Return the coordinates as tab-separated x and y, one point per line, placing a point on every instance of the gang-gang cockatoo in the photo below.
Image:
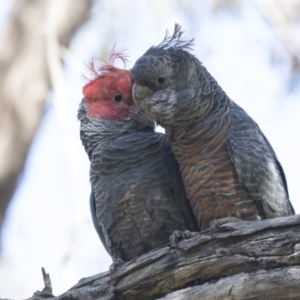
137	199
229	169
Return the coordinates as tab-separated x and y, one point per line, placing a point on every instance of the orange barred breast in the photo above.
209	176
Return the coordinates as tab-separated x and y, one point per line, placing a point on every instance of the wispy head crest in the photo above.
118	54
174	41
107	65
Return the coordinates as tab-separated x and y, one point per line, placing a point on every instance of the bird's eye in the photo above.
117	98
161	79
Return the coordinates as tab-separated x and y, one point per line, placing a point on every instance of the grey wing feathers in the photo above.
138	198
179	192
281	171
98	228
257	166
276	161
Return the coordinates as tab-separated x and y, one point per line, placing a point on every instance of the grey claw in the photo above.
178	236
115	265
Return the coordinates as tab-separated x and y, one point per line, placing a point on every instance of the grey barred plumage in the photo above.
228	167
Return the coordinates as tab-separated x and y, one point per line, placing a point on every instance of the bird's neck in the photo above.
213	99
133	149
215	111
94	131
208	128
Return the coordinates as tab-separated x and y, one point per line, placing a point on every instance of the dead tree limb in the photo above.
24	77
244	260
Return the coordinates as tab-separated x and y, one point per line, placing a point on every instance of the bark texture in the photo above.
244	260
33	32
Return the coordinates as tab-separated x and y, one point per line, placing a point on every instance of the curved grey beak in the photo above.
140	92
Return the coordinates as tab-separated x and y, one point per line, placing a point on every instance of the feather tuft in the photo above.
99	70
173	42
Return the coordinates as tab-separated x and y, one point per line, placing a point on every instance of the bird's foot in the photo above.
215	224
178	236
115	265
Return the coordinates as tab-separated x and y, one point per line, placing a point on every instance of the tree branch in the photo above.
244	260
24	77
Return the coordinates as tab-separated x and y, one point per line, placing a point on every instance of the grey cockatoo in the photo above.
229	169
137	199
